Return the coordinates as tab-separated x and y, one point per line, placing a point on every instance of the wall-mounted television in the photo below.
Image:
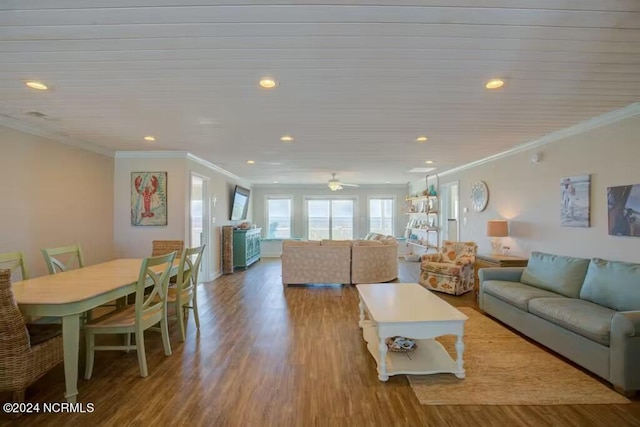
240	204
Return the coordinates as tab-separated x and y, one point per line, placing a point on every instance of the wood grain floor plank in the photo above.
273	356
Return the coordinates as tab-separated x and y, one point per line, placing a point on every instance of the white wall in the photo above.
135	241
299	192
53	195
528	194
221	186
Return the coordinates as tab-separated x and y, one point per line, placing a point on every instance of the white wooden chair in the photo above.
52	258
184	296
147	311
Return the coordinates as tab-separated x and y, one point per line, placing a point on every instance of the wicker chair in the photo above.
164	247
25	355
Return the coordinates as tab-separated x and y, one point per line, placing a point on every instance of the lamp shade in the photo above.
497	228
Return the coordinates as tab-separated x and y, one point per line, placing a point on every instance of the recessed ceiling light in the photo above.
388	182
36	85
429	162
149	138
494	84
275	182
421	139
286	138
267	83
250	162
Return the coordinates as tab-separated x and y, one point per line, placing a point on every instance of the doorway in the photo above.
199	224
450	223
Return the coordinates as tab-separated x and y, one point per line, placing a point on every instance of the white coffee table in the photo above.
409	310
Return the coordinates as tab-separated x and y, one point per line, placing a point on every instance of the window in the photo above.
381	218
279	217
330	219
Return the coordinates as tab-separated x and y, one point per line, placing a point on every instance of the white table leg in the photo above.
361	305
382	367
71	342
459	359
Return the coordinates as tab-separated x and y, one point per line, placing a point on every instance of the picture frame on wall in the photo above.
623	205
575	201
148	198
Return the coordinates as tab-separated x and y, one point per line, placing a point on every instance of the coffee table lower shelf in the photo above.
430	357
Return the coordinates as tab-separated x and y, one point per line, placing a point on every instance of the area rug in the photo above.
503	368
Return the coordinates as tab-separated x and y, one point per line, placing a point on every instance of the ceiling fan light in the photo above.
334	186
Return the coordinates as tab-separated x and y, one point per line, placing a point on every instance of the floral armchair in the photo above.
451	269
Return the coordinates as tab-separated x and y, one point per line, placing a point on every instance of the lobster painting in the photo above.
146	194
148	203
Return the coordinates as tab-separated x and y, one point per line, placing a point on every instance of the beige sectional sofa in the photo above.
371	260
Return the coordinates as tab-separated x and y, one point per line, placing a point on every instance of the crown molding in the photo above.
151	154
21	126
582	127
179	155
217	168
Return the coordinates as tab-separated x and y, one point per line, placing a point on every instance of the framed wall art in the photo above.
148	198
623	204
575	201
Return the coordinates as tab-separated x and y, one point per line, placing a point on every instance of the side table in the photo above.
495	261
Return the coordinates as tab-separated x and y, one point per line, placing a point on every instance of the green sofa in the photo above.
586	310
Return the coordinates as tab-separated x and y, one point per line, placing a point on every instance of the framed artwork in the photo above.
623	204
148	198
575	201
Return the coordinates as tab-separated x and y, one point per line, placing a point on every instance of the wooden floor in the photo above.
283	357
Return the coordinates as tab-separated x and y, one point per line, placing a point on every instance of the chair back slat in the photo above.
150	308
13	260
71	252
188	272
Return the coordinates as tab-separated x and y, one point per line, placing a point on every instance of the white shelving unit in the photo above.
423	225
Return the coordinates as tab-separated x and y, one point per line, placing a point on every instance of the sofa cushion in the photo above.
441	268
389	240
367	243
560	274
515	293
613	284
297	243
326	242
585	318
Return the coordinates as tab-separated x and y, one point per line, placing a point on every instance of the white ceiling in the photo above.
359	80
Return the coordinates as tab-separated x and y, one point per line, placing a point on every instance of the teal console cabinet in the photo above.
246	247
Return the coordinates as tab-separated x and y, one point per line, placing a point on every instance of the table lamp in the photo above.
497	228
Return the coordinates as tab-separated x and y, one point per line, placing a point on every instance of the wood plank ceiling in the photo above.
358	81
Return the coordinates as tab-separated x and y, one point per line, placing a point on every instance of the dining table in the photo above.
71	293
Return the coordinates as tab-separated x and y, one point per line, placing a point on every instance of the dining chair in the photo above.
184	296
52	258
27	352
147	311
163	247
72	255
13	261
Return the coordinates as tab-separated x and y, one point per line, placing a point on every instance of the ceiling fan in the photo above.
334	183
